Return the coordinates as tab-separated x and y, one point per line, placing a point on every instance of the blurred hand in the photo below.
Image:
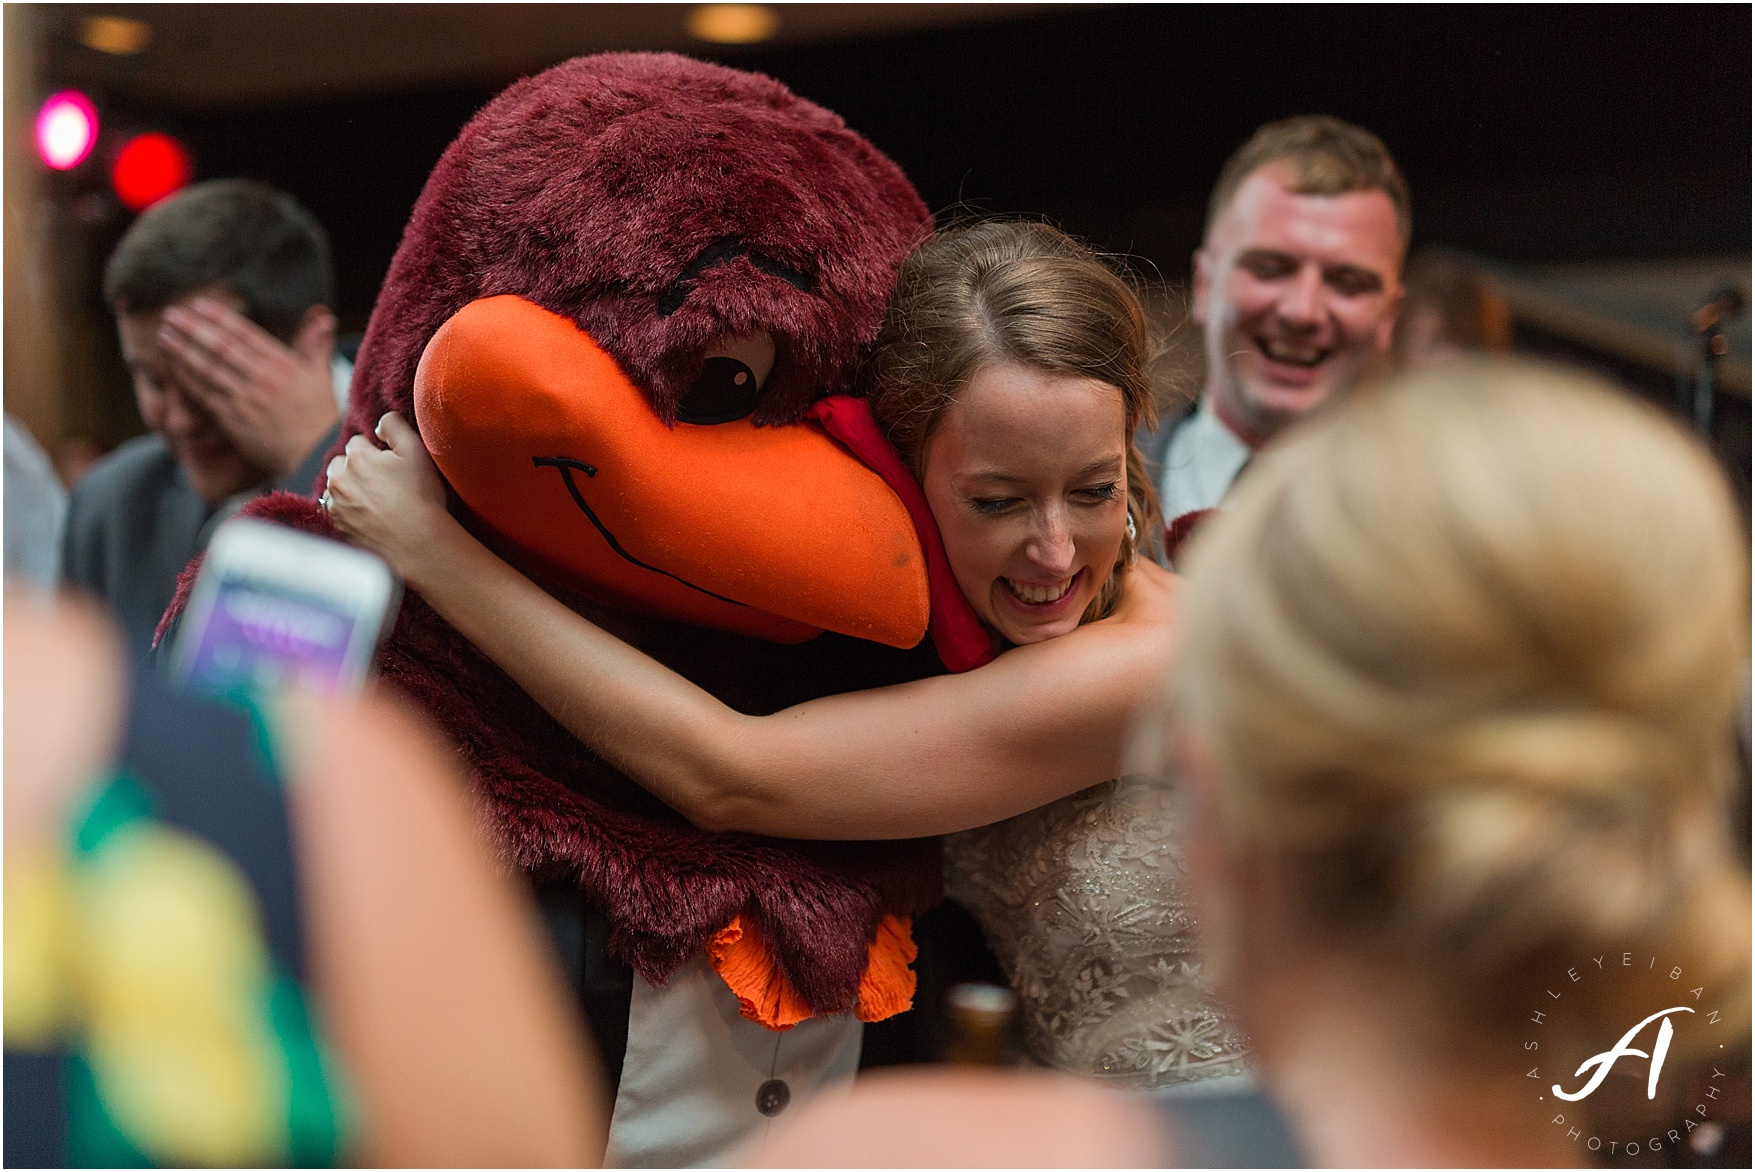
274	402
391	500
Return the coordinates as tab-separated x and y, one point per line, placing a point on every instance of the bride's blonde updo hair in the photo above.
1013	291
1468	654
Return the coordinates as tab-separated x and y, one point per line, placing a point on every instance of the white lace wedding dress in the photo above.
1082	901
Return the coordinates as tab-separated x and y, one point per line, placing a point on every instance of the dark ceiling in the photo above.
227	55
1529	133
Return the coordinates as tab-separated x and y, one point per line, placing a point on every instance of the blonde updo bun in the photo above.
1469	651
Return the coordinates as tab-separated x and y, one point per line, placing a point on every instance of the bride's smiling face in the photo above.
1026	474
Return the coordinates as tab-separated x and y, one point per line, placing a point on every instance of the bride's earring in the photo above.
1133	541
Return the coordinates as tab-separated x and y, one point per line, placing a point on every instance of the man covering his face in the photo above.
221	295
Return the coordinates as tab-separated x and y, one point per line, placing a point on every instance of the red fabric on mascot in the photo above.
587	235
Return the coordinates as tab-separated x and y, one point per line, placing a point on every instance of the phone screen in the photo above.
262	637
274	608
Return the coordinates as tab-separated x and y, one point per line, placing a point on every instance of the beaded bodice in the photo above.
1083	903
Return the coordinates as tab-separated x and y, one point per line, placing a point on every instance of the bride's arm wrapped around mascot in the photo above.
622	294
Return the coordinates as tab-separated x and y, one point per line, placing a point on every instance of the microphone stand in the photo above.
1709	326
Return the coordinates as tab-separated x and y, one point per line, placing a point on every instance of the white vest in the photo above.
700	1079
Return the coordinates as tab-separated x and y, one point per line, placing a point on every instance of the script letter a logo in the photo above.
1606	1060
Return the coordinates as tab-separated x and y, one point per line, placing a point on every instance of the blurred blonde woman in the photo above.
1454	721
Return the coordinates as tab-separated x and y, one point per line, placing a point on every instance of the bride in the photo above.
1010	374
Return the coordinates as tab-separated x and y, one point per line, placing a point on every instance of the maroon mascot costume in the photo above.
588	236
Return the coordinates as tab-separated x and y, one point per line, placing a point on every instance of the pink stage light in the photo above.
67	129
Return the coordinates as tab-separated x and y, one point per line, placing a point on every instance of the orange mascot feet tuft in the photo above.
743	962
887	986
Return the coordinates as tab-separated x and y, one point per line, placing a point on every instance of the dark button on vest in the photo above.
772	1097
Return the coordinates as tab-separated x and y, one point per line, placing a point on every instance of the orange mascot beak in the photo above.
775	532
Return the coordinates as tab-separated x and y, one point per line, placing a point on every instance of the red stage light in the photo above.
149	167
67	129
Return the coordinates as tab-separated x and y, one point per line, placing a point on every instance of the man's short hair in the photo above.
234	234
1326	157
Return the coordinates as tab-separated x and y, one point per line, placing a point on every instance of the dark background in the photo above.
1530	134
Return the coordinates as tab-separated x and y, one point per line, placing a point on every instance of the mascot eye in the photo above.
727	390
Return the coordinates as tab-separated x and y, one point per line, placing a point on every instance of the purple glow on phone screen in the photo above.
264	640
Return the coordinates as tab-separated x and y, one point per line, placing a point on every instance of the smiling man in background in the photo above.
221	295
1296	290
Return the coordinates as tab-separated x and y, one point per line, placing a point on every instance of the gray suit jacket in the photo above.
134	521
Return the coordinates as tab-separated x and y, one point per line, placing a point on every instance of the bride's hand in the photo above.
390	500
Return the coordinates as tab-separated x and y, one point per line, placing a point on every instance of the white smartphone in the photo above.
275	607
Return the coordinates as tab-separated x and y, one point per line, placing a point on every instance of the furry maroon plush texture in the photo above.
1179	530
591	189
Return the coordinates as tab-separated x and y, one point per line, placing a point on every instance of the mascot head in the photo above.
622	289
